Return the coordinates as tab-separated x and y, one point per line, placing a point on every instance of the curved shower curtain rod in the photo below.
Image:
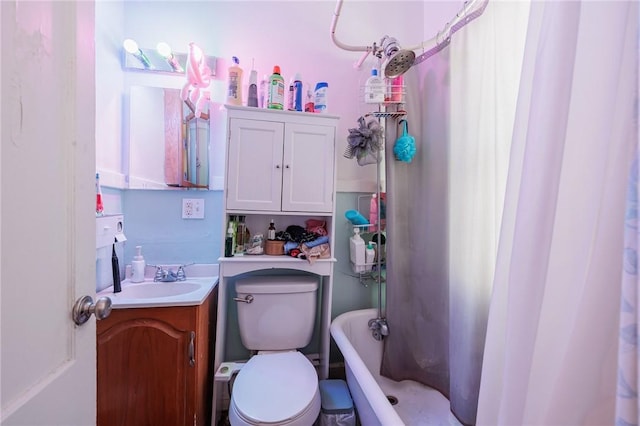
470	11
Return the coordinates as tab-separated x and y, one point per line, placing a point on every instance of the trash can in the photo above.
337	405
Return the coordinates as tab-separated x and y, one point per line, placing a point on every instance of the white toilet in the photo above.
278	386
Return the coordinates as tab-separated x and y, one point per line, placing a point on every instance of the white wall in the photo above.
292	34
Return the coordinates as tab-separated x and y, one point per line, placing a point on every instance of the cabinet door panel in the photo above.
254	169
307	182
136	386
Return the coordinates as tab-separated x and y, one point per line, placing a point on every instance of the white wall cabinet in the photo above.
279	165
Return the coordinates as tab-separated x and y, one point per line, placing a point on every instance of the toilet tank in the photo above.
281	314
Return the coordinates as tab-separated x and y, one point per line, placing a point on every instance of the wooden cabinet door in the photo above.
144	371
254	165
308	173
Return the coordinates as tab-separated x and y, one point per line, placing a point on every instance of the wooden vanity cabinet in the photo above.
155	365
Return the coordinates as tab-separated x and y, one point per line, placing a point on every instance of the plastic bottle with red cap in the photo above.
276	90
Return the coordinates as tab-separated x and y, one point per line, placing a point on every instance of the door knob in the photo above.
84	307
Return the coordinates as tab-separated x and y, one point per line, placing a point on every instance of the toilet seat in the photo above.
276	389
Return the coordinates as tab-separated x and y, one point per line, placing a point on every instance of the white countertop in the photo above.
201	280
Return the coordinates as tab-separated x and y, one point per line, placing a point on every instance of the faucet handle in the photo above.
180	274
160	273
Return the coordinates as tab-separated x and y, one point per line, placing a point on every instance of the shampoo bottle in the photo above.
276	90
320	103
137	266
357	251
374	88
234	87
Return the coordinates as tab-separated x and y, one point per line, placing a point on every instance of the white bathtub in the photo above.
417	404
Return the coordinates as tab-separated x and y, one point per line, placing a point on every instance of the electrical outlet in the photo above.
193	208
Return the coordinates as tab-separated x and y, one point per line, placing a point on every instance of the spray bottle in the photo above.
297	92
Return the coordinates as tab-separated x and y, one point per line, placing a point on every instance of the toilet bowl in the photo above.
279	385
275	388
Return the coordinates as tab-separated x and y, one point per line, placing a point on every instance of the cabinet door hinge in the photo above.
192	348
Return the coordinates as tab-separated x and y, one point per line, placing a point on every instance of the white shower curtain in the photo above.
551	344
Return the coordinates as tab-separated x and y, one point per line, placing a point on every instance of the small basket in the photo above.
274	248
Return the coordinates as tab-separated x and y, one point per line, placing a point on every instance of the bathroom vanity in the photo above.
155	362
280	166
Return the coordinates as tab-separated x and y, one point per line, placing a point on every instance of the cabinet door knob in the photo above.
277	166
287	166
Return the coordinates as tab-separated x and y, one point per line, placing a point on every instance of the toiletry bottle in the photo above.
374	88
241	235
357	251
369	256
99	205
276	90
297	92
137	266
264	91
228	242
397	89
234	87
271	232
320	103
290	96
252	98
233	224
373	213
308	105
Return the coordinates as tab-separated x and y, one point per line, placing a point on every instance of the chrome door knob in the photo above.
84	307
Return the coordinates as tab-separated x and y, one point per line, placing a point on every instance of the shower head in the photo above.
398	60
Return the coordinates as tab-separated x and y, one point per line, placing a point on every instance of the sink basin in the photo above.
151	290
150	294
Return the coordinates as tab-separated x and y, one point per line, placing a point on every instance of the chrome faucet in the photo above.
166	275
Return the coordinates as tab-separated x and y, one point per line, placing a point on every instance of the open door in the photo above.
47	222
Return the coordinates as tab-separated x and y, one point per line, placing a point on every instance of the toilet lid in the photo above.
275	387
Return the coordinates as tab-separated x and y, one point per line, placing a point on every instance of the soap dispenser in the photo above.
138	266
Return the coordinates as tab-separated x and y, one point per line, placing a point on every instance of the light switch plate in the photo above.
193	208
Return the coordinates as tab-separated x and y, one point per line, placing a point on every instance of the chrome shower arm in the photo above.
471	10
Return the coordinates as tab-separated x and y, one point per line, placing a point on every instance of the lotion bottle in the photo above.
234	88
138	265
370	256
357	251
